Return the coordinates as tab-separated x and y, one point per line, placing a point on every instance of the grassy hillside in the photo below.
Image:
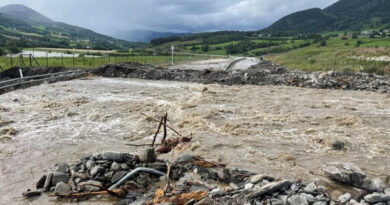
343	15
22	27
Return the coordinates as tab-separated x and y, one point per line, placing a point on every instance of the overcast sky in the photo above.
109	16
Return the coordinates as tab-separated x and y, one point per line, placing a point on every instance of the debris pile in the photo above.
190	179
264	73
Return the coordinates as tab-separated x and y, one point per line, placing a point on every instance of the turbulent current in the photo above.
275	130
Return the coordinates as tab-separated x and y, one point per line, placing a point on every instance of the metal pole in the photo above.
21	73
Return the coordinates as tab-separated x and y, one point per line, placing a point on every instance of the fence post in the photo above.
29	57
47	60
62	60
73	59
12	63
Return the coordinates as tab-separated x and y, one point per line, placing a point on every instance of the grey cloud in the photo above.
108	16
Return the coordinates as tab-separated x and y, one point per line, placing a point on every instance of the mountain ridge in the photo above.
21	26
342	15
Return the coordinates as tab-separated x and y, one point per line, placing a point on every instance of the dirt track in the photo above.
281	131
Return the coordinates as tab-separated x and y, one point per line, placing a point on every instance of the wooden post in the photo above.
73	59
29	57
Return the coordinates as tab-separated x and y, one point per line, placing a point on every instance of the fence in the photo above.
93	61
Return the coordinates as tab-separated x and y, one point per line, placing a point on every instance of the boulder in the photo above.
297	200
62	189
59	177
344	199
376	198
115	166
347	173
63	168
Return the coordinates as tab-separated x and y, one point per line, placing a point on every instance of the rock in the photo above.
125	167
41	182
29	194
269	188
311	187
297	200
63	168
224	175
249	186
131	197
96	170
205	201
62	189
90	164
338	145
377	197
118	175
373	185
344	199
347	173
321	203
115	167
275	201
59	177
88	187
309	198
149	155
260	177
115	156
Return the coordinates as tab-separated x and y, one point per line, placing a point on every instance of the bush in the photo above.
323	43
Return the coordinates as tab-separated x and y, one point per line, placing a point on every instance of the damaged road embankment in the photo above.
264	73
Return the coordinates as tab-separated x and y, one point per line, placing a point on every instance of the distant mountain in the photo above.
25	14
21	26
342	15
144	35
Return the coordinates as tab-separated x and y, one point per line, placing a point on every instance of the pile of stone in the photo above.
192	180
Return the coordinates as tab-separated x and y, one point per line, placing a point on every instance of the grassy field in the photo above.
338	55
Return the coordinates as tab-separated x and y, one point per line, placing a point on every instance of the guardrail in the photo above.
12	84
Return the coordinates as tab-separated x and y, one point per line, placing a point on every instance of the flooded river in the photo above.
281	131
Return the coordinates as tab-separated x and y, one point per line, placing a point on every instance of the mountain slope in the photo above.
304	21
342	15
144	35
25	14
21	26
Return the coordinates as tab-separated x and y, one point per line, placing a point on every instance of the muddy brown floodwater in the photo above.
281	131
